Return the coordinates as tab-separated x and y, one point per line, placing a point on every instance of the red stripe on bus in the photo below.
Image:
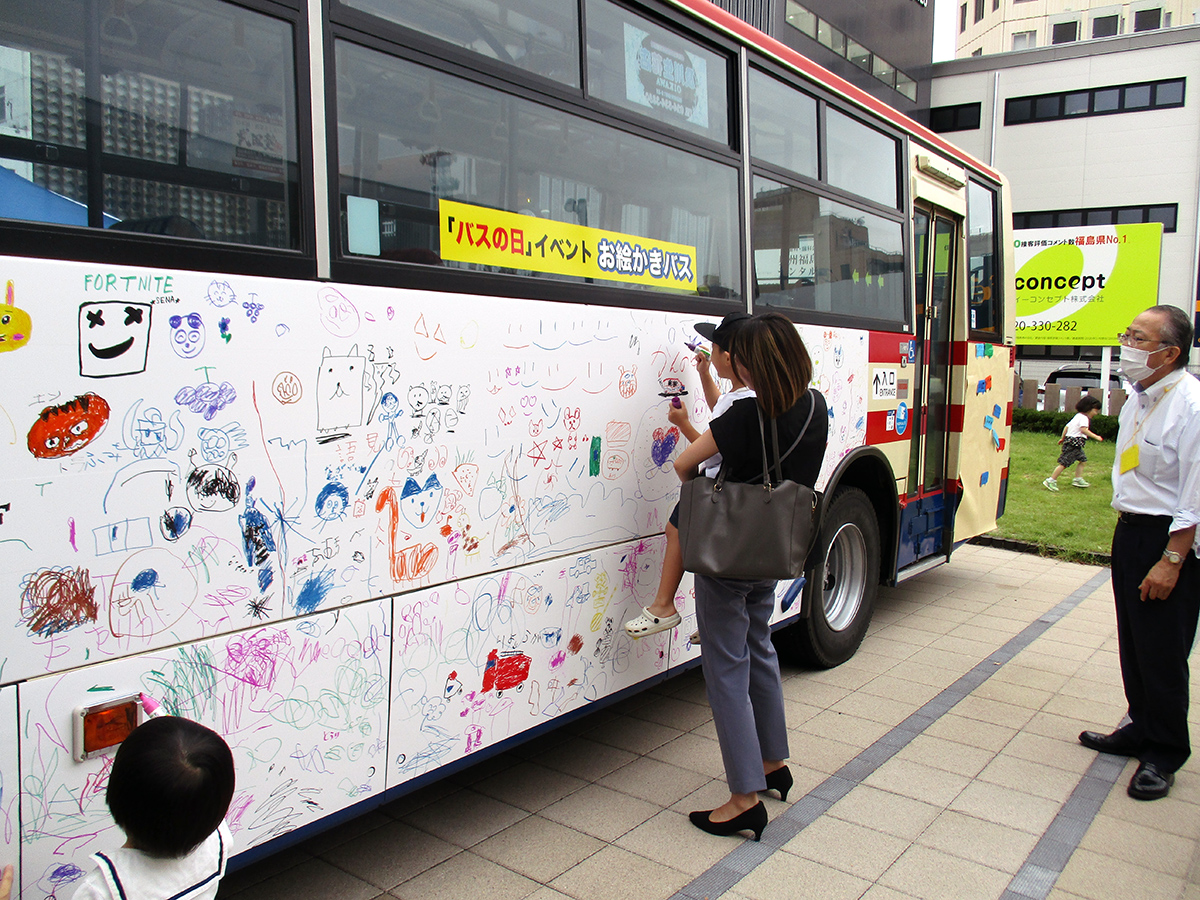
785	54
887	347
877	430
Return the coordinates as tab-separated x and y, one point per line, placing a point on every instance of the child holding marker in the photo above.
169	789
661	614
1074	436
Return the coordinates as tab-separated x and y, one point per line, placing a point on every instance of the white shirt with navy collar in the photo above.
1164	421
127	874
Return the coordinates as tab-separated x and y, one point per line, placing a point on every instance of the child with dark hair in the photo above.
661	614
169	789
1074	435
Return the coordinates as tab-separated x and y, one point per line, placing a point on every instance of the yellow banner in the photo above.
492	237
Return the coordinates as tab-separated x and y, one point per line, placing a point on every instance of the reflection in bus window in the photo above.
198	130
438	137
539	36
783	125
860	159
816	254
981	258
654	72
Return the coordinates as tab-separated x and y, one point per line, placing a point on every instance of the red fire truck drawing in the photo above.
505	671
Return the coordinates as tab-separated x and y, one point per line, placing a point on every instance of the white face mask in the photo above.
1135	363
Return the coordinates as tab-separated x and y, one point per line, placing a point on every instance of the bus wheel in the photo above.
841	587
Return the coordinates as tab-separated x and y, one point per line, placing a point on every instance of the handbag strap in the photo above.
778	467
775	445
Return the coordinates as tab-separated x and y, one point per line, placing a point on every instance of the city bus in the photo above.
336	347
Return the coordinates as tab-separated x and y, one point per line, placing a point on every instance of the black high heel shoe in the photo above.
780	780
754	819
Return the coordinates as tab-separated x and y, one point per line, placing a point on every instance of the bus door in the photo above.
925	523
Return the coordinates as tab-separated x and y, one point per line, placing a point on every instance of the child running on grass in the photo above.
661	614
1074	436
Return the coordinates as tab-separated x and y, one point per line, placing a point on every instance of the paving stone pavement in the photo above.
941	761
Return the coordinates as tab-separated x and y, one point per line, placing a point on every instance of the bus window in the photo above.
814	253
442	138
783	125
982	259
539	36
197	133
651	71
860	159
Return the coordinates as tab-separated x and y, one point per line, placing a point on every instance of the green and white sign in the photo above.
1083	286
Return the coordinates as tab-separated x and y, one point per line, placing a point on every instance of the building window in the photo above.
962	18
963	117
859	55
3	106
995	5
1167	214
1105	26
1107	100
802	19
1024	40
979	5
1064	33
809	23
1147	20
831	37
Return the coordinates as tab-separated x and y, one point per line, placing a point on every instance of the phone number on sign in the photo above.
1064	325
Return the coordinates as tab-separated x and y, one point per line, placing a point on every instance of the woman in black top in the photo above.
741	671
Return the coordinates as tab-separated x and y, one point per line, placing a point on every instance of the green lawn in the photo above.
1074	523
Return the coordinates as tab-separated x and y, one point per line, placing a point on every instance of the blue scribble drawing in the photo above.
332	501
314	591
206	399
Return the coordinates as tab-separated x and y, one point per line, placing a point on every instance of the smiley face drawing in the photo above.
114	337
15	324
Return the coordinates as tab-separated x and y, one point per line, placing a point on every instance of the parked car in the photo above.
1080	375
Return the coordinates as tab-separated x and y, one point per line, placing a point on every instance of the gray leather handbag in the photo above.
751	532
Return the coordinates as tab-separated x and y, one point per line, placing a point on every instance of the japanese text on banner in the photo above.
492	237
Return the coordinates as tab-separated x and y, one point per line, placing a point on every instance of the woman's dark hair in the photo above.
170	785
774	361
1087	402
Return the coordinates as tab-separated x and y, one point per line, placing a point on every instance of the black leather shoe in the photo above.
780	780
1150	782
754	819
1115	743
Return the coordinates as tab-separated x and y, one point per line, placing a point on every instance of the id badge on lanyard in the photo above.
1129	458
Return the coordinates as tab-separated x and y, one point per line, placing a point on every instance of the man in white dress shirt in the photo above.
1155	572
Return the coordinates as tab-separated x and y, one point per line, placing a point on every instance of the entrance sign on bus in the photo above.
1081	286
493	237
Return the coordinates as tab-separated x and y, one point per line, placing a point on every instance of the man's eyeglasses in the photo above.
1132	340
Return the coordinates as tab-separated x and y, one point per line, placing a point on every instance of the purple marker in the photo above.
677	403
695	345
151	706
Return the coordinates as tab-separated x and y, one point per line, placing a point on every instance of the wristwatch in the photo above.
1172	557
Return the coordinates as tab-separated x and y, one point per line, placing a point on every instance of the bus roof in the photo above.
748	34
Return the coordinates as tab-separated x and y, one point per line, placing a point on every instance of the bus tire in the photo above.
841	588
